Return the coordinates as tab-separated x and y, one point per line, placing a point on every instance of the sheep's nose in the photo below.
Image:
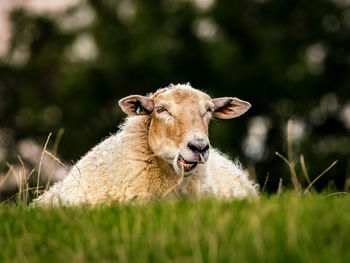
199	147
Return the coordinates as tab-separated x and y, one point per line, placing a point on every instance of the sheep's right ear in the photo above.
137	105
228	108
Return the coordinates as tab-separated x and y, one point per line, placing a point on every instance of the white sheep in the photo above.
162	149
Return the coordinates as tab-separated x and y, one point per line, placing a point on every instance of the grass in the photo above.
289	228
296	225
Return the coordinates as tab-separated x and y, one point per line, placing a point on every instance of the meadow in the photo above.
296	224
285	228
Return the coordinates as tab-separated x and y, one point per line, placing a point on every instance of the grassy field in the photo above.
288	228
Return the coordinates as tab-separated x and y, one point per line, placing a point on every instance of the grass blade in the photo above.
318	177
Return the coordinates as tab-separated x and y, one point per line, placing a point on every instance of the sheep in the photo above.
162	149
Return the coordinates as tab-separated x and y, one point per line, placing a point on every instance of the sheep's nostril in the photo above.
199	147
206	148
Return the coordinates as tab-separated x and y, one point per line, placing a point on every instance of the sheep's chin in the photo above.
179	170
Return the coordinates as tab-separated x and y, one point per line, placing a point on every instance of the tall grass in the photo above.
30	183
290	161
294	225
285	229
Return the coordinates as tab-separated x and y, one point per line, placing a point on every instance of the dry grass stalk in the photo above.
175	185
57	160
282	157
27	188
290	140
202	159
78	180
336	193
252	171
22	178
57	141
19	193
4	178
49	181
303	167
291	165
22	164
53	156
305	173
22	181
294	177
296	185
279	190
41	162
318	177
265	183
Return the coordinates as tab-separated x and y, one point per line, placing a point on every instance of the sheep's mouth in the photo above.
186	165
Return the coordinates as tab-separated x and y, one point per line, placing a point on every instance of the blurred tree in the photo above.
290	59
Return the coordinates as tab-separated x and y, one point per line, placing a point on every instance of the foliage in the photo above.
290	59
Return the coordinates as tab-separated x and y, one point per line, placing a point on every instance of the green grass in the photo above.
286	229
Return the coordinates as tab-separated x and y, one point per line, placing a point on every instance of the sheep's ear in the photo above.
227	108
136	105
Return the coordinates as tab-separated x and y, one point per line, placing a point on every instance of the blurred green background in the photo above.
66	67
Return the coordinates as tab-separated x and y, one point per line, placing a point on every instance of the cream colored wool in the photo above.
225	178
123	168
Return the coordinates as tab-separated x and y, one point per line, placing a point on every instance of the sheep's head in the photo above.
180	116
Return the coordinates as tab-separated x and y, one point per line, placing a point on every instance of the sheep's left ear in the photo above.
227	108
137	105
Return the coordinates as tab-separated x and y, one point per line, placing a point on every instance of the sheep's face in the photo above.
180	116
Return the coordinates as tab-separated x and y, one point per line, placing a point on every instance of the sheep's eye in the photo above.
160	110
